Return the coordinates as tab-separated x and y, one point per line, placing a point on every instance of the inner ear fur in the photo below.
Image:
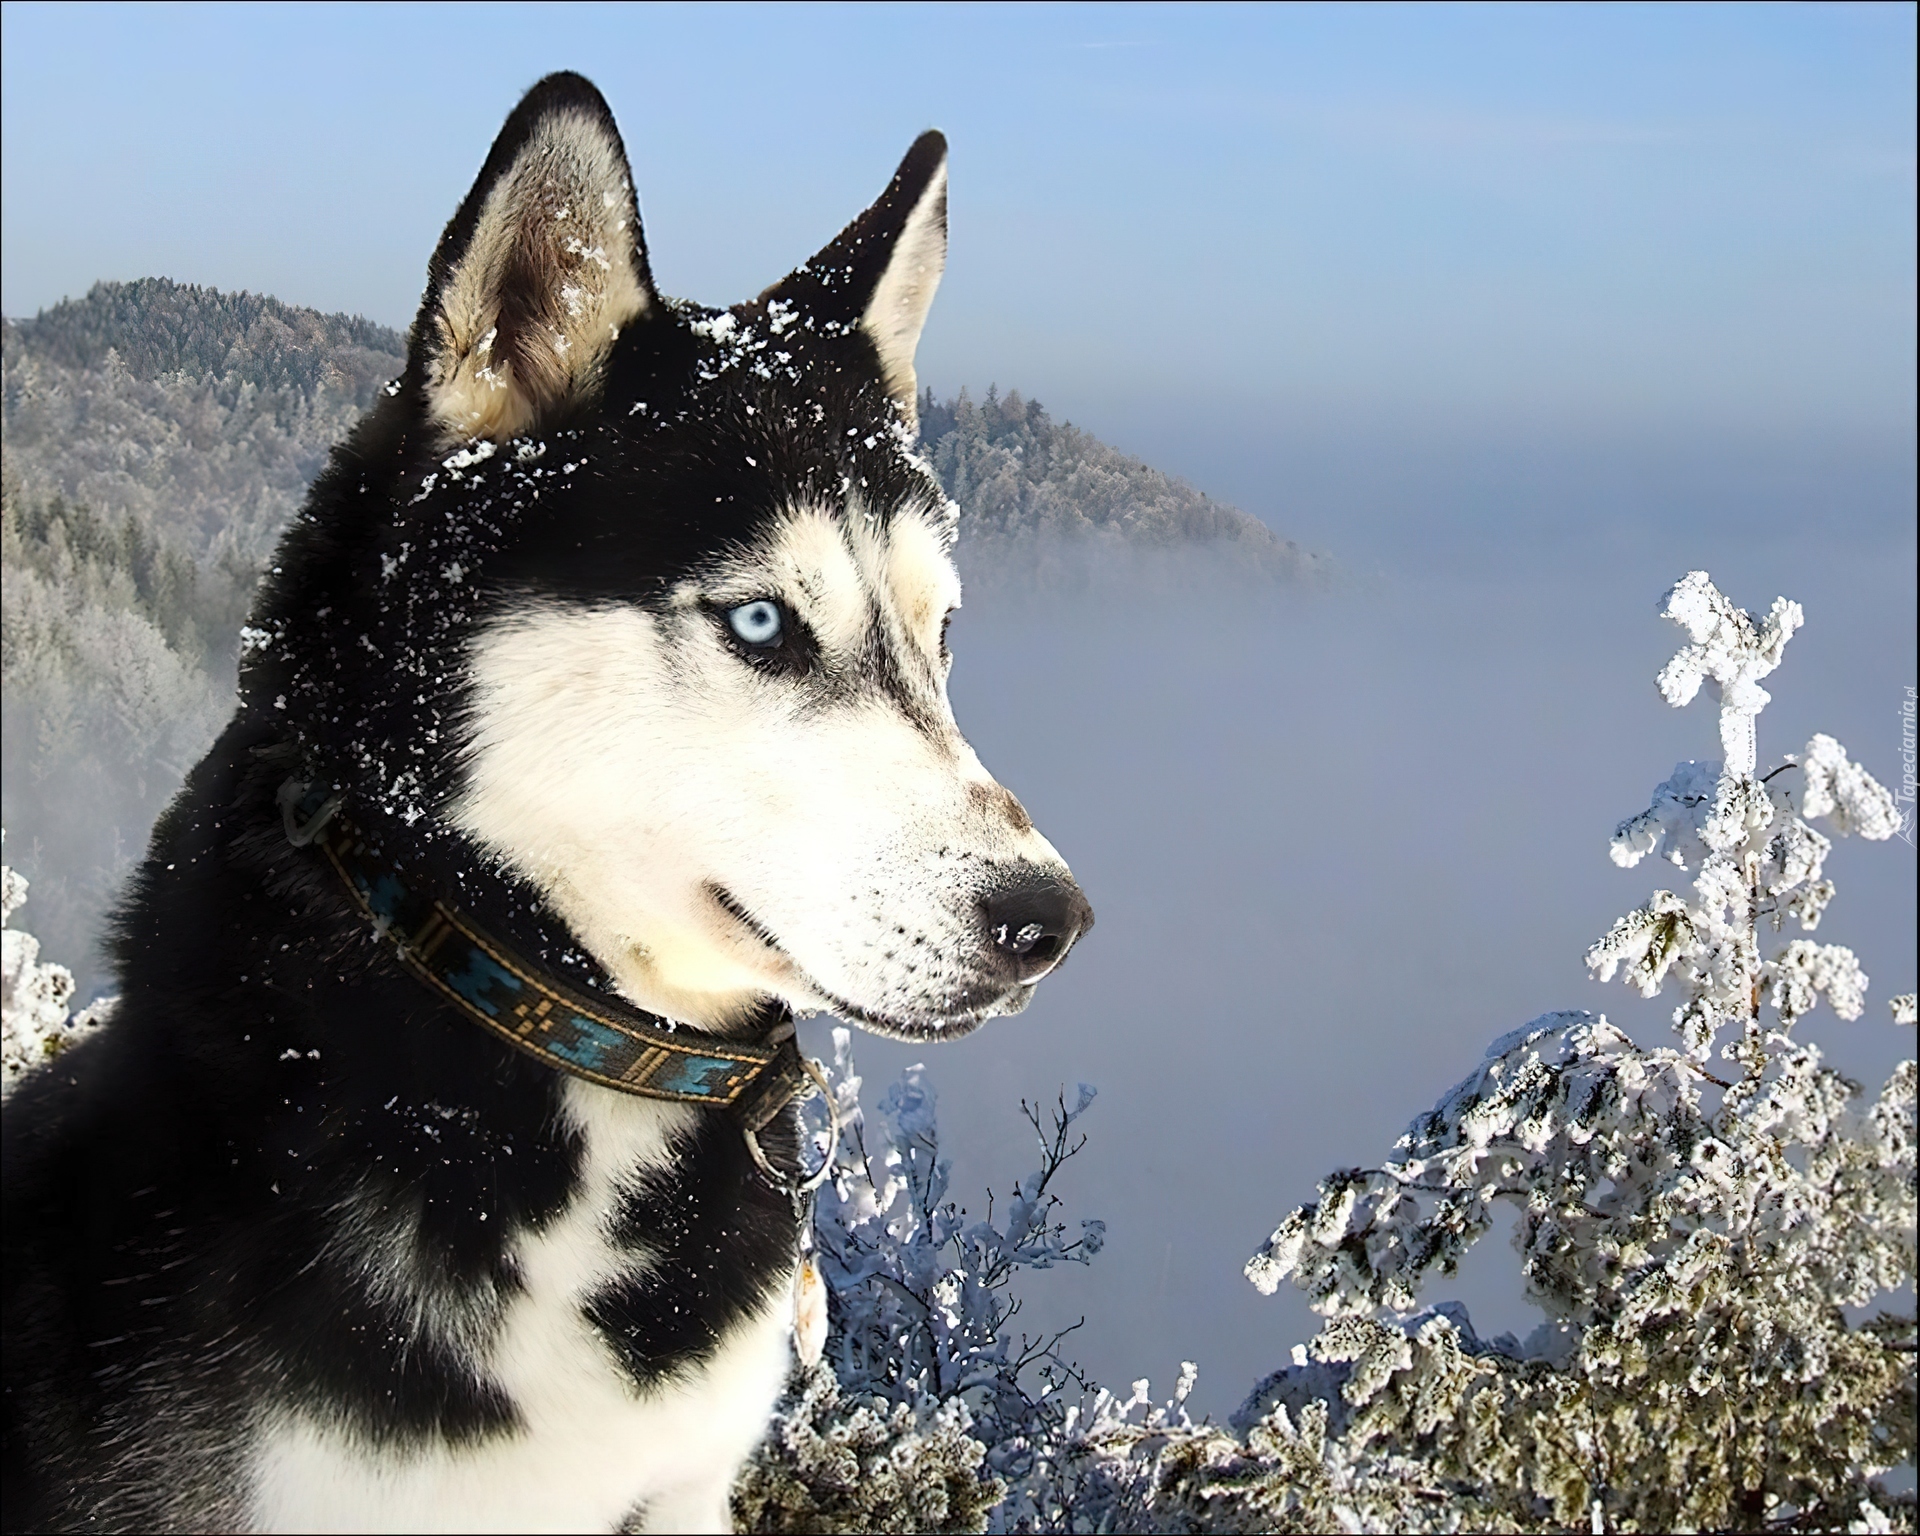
538	271
880	272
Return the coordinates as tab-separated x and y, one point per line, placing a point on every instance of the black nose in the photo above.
1032	923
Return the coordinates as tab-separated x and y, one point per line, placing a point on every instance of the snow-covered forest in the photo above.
1041	502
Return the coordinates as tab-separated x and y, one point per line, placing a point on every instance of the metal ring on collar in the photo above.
818	1073
291	794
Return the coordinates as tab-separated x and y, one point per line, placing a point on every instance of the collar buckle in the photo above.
783	1089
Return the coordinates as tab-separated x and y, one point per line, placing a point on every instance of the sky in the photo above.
1582	221
1519	312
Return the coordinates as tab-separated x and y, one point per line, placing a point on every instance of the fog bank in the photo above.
1338	842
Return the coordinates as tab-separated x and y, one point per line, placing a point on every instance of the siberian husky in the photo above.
437	1172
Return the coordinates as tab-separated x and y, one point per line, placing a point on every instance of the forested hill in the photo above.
203	414
161	327
206	414
1030	488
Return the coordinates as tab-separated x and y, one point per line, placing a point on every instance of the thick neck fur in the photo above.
446	863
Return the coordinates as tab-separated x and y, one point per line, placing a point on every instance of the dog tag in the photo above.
809	1313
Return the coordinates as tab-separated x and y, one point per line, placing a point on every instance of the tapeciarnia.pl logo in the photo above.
1905	794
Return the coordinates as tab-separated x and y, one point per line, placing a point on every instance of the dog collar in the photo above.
601	1040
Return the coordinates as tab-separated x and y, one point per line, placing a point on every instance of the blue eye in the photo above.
757	623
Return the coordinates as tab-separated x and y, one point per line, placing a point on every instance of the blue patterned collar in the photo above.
602	1039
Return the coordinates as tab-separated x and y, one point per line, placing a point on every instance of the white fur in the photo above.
594	1447
897	312
627	762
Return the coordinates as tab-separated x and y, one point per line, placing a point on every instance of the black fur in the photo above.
175	1246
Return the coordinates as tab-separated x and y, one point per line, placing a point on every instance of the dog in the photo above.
440	1170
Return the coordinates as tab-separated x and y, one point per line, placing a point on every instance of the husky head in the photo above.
643	606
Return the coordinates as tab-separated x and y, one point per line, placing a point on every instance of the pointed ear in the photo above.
881	271
537	273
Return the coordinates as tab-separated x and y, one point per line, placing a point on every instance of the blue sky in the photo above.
1556	220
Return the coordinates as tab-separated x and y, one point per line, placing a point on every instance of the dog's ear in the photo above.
537	273
881	271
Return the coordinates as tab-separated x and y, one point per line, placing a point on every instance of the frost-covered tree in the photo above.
116	648
920	1294
919	1342
1704	1224
1698	1234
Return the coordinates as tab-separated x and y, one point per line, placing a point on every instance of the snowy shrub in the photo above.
34	994
919	1307
833	1464
919	1295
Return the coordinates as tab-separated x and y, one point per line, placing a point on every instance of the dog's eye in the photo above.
757	623
767	635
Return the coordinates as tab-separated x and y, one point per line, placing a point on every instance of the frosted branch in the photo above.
1730	651
1845	793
